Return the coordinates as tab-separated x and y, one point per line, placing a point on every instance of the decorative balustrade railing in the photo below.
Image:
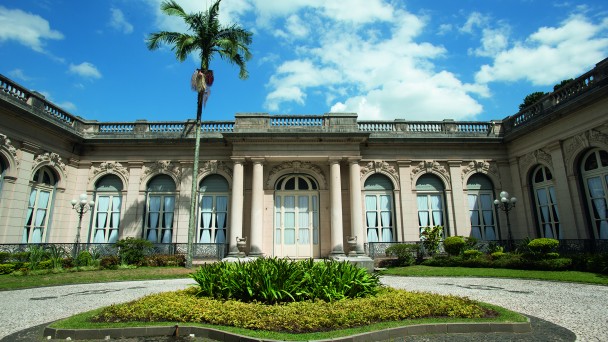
167	127
566	93
217	126
451	127
14	90
117	128
296	121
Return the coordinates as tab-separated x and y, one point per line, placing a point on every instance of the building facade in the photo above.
302	186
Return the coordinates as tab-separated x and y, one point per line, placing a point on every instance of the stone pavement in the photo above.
579	308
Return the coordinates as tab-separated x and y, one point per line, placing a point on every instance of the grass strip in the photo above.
564	276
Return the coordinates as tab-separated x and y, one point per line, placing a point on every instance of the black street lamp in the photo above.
505	204
81	206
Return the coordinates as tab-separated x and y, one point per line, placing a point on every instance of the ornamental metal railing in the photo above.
210	251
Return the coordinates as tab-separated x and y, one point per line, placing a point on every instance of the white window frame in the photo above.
213	229
35	208
478	208
547	214
163	233
599	224
380	228
110	233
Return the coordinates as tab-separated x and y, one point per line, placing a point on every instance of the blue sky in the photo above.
383	59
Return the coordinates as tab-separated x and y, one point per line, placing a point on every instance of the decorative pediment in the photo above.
5	142
379	166
109	167
535	157
430	166
480	166
295	167
161	166
49	158
213	166
597	138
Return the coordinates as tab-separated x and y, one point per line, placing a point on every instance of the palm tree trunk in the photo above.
193	192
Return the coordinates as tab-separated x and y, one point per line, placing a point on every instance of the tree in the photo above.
531	99
209	38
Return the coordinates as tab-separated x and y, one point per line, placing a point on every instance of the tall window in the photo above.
430	198
213	210
106	219
39	204
160	207
480	194
2	170
595	178
546	203
379	217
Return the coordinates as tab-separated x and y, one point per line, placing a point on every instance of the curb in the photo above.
220	335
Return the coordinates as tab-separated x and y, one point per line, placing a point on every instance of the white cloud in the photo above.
85	69
550	54
384	75
19	74
118	21
28	29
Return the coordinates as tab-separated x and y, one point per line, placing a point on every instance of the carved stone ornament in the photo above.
296	166
161	166
111	167
213	166
379	166
428	166
479	166
597	138
6	143
49	158
536	157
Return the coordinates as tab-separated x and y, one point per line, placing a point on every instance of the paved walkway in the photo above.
582	309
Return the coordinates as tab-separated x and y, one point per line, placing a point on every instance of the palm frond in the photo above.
171	7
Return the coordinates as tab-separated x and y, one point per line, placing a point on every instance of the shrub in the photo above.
273	280
497	255
494	247
7	268
21	256
431	237
559	264
454	245
131	251
162	260
84	258
471	253
56	255
543	246
442	261
597	263
471	242
45	265
406	253
67	262
4	257
298	317
109	262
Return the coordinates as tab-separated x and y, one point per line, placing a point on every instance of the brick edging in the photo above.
220	335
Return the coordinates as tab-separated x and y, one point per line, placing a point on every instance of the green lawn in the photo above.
12	282
428	271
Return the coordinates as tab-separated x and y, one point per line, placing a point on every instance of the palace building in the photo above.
305	186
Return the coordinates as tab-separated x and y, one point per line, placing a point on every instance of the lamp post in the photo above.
81	206
506	204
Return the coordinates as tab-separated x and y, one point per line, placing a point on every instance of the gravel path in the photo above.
580	308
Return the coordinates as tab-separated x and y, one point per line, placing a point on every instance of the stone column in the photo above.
257	208
335	195
236	207
356	211
460	225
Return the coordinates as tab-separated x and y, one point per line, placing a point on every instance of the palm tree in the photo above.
209	38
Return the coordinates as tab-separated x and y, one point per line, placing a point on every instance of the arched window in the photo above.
480	194
2	171
594	170
379	215
546	203
430	198
160	207
106	222
213	210
39	204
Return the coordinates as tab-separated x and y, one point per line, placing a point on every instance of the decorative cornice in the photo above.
213	166
109	167
379	166
430	166
296	166
480	166
161	166
49	158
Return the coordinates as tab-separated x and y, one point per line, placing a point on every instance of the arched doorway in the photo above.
296	218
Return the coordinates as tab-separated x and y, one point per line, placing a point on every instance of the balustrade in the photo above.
167	127
296	121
